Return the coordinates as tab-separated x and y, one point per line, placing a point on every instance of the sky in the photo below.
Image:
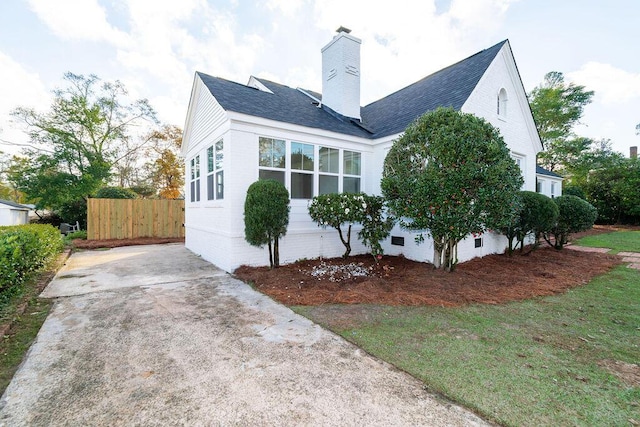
154	47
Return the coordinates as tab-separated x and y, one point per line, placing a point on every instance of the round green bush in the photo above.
575	215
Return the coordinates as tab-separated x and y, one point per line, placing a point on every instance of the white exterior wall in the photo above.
12	216
546	187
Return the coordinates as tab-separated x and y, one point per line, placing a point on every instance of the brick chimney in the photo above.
633	152
341	74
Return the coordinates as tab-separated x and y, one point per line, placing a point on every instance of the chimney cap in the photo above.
343	30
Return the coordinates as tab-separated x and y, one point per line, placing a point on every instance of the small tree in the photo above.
450	175
575	215
336	211
266	216
537	214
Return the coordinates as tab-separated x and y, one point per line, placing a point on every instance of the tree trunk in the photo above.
438	246
276	252
270	255
346	243
450	255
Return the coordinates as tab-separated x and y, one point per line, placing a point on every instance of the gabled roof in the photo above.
543	171
14	204
449	87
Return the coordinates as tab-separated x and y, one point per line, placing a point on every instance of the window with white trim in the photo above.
553	189
195	179
329	168
502	103
302	170
215	174
351	171
272	159
540	186
308	170
520	161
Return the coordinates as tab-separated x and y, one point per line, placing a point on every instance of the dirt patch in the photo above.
492	279
115	243
628	373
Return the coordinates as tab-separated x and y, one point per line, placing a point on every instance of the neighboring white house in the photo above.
12	213
236	134
548	183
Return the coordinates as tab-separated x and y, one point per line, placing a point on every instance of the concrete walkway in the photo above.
153	335
633	258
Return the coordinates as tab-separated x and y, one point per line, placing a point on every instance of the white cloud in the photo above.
611	84
77	20
19	88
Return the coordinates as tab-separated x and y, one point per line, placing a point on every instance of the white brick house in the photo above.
236	134
548	183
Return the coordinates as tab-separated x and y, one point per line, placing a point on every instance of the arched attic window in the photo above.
502	103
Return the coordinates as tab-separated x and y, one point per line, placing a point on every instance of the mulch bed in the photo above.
114	243
492	279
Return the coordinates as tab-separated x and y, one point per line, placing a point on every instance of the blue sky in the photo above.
155	46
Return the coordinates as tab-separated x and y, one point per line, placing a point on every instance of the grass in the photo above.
620	241
24	329
23	326
537	362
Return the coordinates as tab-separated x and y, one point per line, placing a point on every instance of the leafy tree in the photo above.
615	191
557	107
338	210
450	175
115	193
89	128
166	166
266	216
574	215
537	215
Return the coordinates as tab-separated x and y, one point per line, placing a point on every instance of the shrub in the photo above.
337	210
266	216
537	214
115	193
574	190
24	250
574	215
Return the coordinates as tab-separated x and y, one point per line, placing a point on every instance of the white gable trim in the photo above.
257	84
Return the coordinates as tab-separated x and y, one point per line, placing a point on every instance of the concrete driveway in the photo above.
153	335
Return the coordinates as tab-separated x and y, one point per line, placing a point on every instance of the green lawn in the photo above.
620	241
537	362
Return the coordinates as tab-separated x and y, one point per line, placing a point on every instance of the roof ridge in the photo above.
439	71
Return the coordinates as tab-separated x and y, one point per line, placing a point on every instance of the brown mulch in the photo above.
493	279
114	243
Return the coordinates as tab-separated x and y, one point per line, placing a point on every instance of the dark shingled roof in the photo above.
449	87
543	171
14	204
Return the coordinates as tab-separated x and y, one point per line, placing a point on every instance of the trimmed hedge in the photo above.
24	250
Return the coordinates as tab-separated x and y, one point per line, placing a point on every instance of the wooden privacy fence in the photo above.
132	218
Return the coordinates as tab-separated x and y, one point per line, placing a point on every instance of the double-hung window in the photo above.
272	159
329	167
215	174
302	168
351	172
308	170
195	179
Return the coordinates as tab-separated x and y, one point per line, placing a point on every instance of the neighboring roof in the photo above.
14	204
543	171
449	87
